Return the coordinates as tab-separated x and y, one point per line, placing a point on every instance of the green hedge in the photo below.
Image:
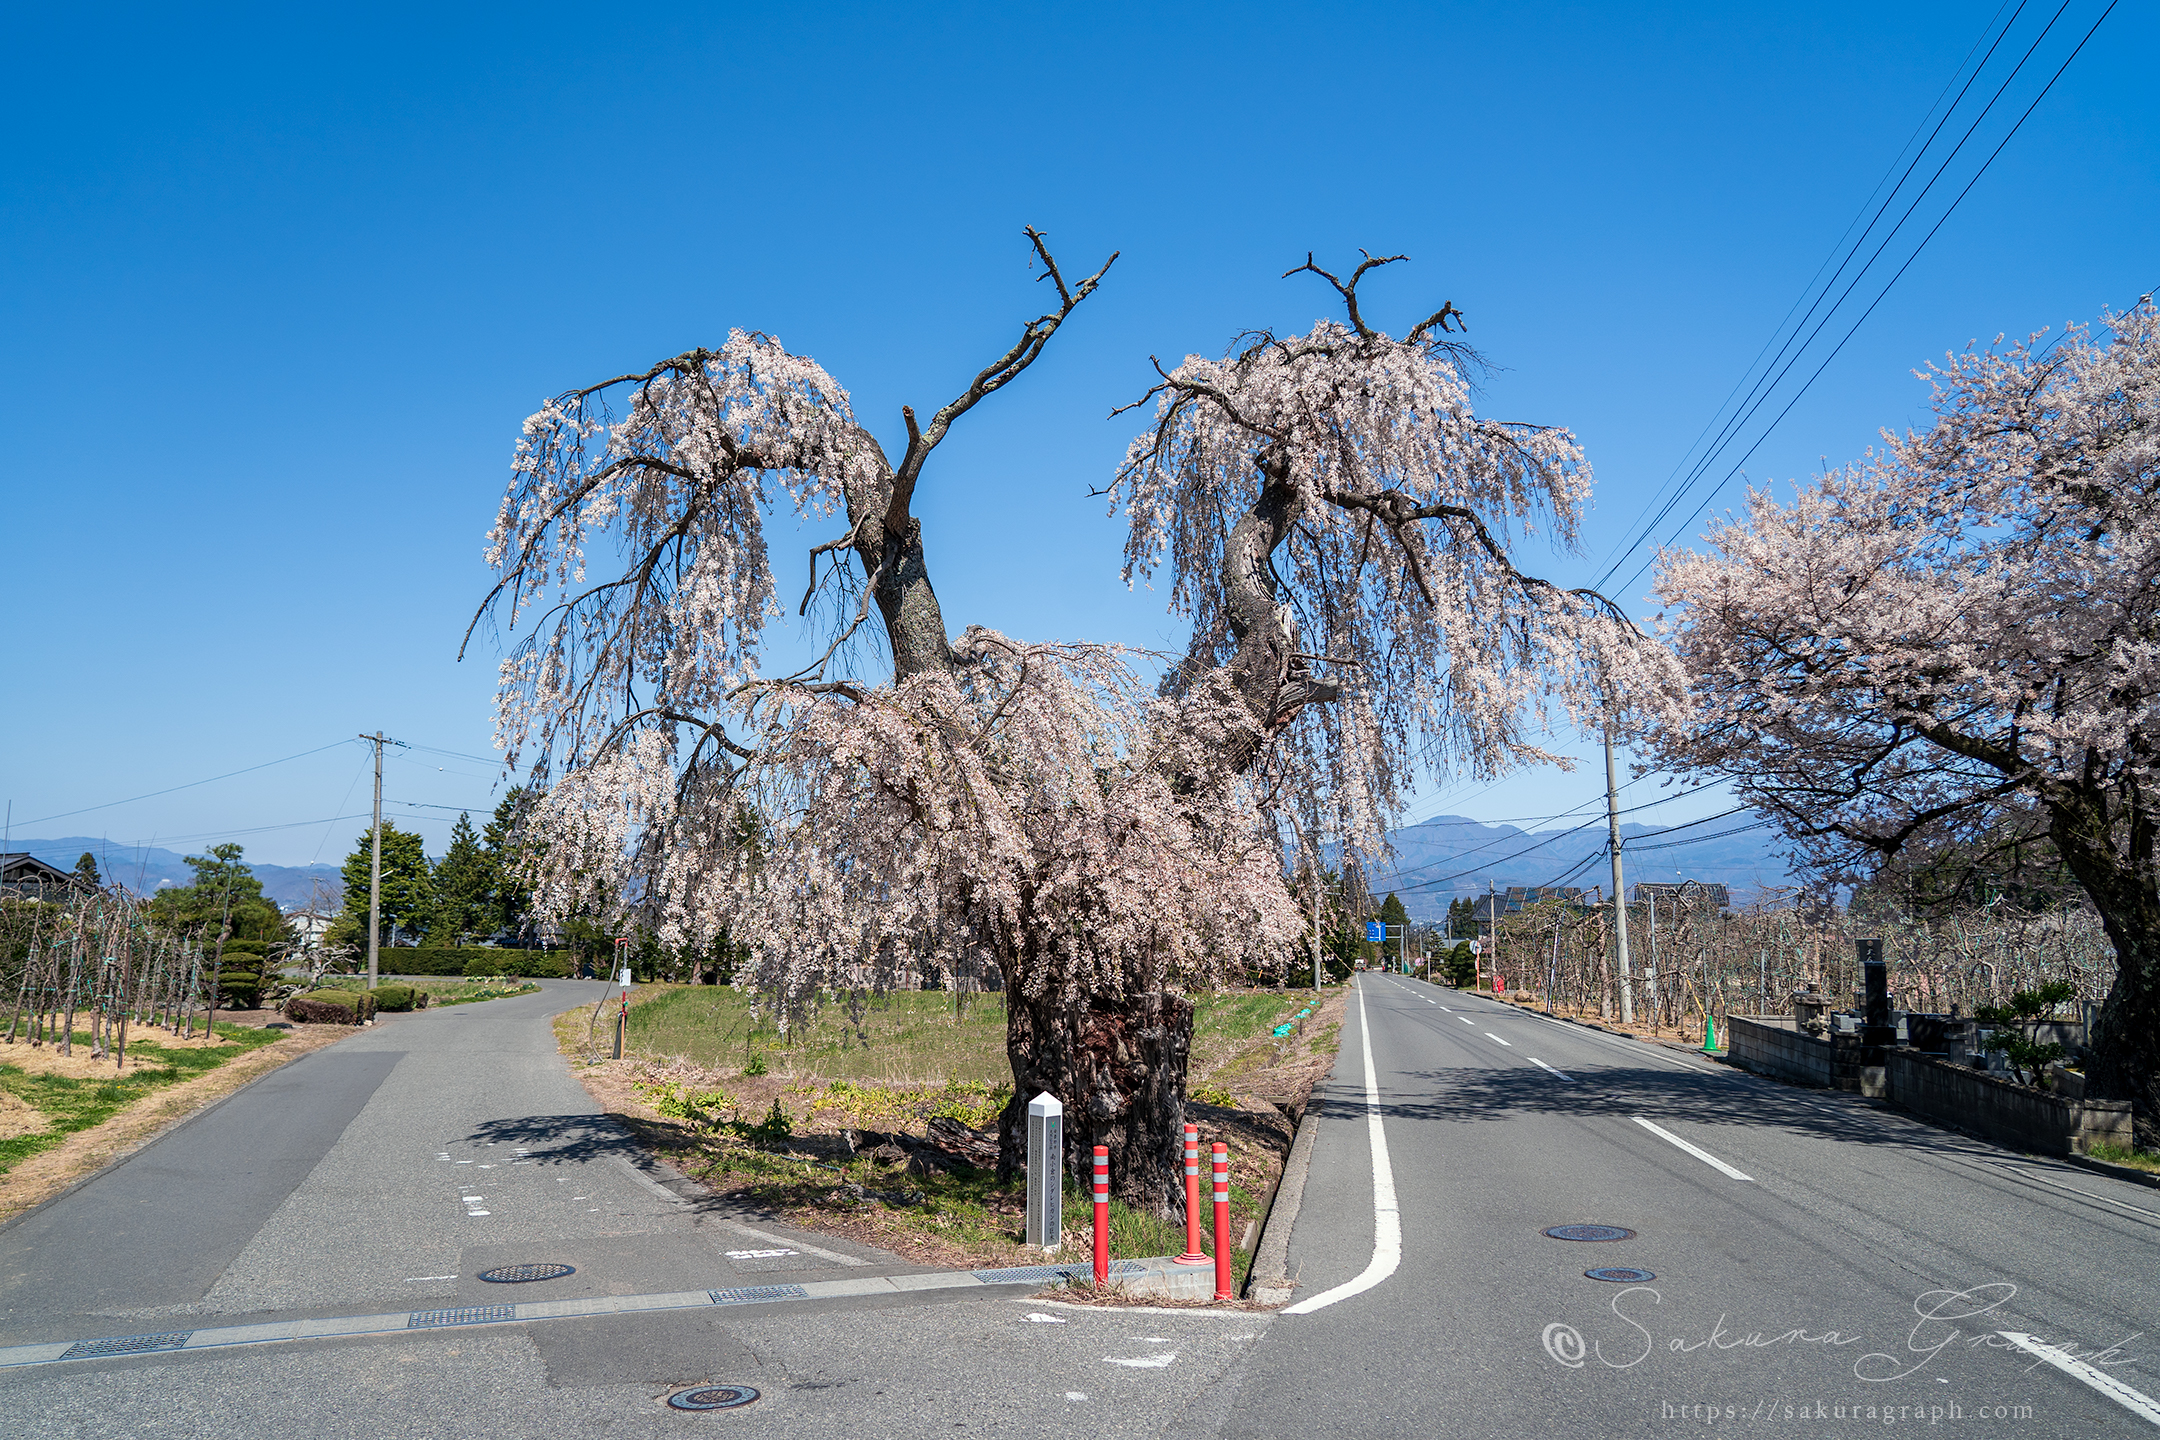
400	997
476	960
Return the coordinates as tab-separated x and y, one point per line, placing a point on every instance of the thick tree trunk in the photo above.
1119	1070
2125	1058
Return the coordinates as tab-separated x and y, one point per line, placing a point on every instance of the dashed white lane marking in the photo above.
1046	1319
1466	1019
1143	1362
1490	1036
1541	1064
757	1254
2142	1406
1076	1396
416	1279
1697	1151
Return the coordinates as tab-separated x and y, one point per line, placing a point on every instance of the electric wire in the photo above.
1892	282
245	770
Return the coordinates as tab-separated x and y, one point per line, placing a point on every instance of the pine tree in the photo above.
86	872
464	884
407	886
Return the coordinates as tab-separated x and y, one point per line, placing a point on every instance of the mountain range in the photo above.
1450	856
146	868
1436	861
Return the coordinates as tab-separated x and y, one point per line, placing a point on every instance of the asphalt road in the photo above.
388	1170
1867	1261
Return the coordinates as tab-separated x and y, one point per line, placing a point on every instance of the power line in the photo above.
1761	392
64	814
1915	255
1648	523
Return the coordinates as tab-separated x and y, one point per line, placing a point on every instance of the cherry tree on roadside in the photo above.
1104	829
1956	642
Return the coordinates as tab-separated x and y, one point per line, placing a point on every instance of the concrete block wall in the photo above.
1999	1110
1769	1048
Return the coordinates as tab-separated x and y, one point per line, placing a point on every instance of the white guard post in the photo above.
1045	1172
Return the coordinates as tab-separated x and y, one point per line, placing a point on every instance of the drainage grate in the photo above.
1012	1274
126	1345
1624	1274
712	1397
1589	1232
471	1315
519	1274
747	1294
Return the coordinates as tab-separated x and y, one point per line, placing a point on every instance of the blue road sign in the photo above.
1374	930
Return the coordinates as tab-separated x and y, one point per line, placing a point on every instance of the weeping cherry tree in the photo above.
1104	829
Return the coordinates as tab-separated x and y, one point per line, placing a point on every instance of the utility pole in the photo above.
374	897
1316	882
1492	921
1619	892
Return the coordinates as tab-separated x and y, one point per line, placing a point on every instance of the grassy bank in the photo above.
440	990
908	1037
790	1121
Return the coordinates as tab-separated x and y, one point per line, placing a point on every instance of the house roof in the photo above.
20	867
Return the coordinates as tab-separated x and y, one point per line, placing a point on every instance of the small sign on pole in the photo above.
1375	931
1045	1172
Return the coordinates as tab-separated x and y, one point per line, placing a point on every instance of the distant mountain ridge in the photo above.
1448	856
1436	861
147	868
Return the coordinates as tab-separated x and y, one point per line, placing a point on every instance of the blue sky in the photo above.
276	289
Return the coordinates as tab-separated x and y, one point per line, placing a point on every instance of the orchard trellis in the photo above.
92	962
1693	957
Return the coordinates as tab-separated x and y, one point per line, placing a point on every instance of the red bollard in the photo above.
1192	1255
1222	1222
1102	1214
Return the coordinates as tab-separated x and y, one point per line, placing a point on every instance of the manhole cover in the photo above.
1624	1274
1589	1232
712	1397
519	1274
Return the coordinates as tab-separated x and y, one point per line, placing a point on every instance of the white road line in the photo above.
1561	1073
1490	1036
1466	1019
2024	1174
1387	1216
2142	1406
1699	1153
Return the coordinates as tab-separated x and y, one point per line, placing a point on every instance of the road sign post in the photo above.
1046	1172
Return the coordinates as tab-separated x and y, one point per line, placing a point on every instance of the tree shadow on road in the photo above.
559	1138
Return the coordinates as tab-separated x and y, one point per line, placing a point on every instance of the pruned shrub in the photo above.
331	1007
400	997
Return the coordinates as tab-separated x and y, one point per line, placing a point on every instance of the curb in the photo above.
1268	1281
118	1347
